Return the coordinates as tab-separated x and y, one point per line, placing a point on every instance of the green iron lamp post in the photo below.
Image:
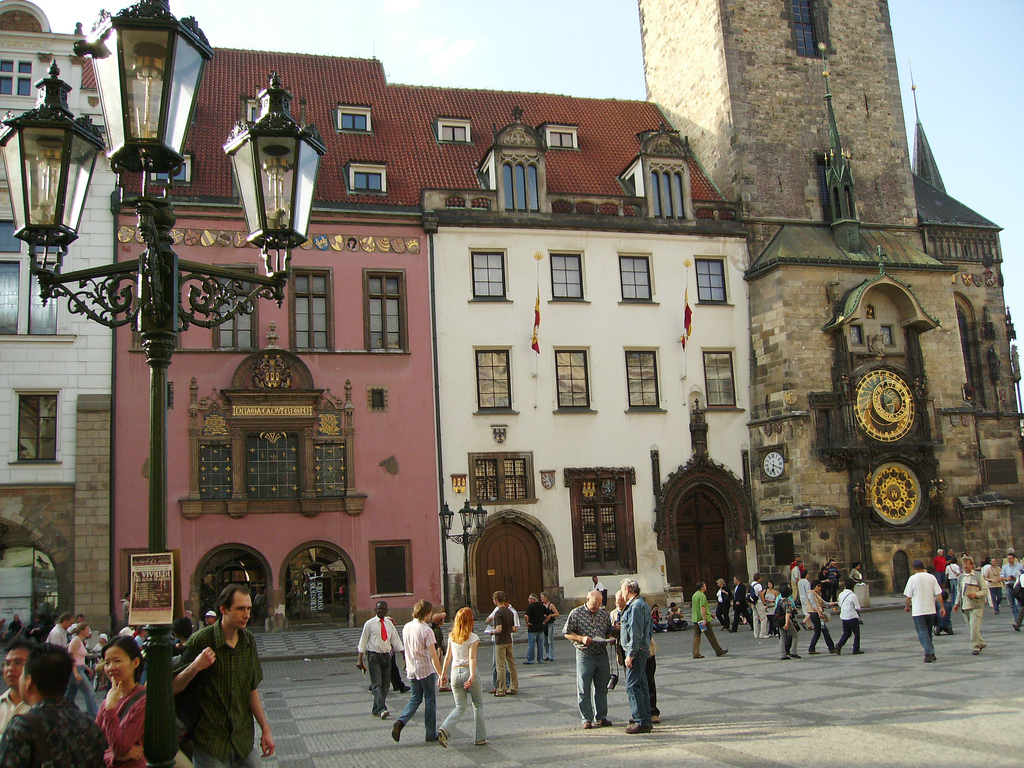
472	530
149	66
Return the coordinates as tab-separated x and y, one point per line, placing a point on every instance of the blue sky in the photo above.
966	58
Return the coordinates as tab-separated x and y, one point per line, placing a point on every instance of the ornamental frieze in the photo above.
226	238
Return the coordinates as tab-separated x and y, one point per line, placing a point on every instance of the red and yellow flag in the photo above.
536	324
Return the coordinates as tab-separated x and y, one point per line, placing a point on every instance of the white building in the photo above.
54	370
613	451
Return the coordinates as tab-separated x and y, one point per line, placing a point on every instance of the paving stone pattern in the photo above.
748	709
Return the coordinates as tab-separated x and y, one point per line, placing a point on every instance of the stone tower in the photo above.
871	439
742	79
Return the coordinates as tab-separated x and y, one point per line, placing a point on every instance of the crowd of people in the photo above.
216	676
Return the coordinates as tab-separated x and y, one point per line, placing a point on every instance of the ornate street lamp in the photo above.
148	67
49	157
472	529
275	163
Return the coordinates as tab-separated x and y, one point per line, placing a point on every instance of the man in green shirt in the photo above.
229	702
702	622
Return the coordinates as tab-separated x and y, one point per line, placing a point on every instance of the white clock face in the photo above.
773	464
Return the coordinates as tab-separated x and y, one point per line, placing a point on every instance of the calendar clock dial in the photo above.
773	465
884	406
895	493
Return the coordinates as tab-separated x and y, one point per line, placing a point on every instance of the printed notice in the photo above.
153	589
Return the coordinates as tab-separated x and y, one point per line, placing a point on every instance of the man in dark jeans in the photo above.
740	606
535	628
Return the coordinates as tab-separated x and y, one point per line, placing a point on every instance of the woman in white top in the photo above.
952	577
849	614
463	644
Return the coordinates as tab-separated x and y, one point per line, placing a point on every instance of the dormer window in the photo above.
515	166
252	110
452	130
562	137
351	119
182	176
367	179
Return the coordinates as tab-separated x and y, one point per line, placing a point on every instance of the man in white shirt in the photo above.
803	587
1010	572
602	589
378	640
59	634
11	703
921	592
422	667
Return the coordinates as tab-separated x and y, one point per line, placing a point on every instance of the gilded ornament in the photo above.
329	424
215	425
895	493
884	406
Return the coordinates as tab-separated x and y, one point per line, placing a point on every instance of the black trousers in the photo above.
652	667
850	627
741	610
722	614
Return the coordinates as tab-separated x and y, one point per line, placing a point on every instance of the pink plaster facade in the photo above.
392	455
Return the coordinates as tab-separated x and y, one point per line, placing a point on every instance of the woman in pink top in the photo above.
124	710
79	681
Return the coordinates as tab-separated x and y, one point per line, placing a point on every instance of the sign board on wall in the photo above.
155	596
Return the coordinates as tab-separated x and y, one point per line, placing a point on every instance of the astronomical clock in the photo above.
885	412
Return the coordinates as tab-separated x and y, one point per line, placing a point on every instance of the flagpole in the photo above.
686	311
534	341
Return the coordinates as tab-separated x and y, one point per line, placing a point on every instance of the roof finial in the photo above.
517	114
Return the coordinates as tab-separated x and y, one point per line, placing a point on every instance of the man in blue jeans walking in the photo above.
636	630
422	668
921	591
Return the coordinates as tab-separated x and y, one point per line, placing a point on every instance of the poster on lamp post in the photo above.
155	598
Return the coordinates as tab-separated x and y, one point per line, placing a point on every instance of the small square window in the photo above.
367	179
571	374
453	130
566	276
710	280
718	380
857	334
501	476
488	275
636	278
353	119
391	567
377	398
887	337
182	176
561	137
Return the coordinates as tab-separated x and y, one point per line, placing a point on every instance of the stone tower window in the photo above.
804	27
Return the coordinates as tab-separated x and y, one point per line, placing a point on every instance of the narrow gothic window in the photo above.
520	186
803	28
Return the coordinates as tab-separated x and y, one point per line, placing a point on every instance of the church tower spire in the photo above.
924	164
839	176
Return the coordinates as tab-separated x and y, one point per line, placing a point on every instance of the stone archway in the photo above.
40	532
548	558
223	565
317	583
701	522
30	575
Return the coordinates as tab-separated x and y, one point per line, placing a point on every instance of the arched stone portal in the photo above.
513	539
227	564
29	575
318	583
701	522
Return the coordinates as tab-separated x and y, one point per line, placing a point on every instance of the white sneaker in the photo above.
385	715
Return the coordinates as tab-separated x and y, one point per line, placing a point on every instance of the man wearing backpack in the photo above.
760	610
54	731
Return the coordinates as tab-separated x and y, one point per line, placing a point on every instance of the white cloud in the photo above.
400	6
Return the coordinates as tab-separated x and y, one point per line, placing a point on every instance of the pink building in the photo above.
302	440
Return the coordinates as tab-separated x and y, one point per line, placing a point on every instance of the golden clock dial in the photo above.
884	406
895	493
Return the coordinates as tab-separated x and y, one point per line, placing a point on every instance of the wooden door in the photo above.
900	570
507	559
701	540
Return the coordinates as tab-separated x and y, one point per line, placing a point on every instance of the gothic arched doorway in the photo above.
232	564
29	578
701	523
316	585
701	542
508	558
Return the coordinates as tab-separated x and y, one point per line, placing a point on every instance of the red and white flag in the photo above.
536	324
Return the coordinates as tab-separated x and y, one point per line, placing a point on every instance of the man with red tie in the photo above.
378	640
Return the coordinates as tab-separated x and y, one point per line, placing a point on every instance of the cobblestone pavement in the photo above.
747	709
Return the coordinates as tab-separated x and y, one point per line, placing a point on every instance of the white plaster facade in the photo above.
77	358
609	433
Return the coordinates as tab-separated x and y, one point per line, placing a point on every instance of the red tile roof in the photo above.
402	121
